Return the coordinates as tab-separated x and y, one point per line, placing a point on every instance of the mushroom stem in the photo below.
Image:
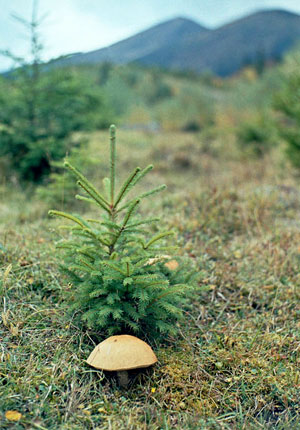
123	378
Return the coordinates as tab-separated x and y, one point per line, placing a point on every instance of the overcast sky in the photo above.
84	25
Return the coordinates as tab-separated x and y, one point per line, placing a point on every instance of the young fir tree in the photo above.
120	280
41	106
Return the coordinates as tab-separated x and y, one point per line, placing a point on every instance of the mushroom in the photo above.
172	265
120	354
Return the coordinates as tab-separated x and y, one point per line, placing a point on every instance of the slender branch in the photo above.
86	185
126	219
112	163
126	186
93	195
142	196
68	216
158	237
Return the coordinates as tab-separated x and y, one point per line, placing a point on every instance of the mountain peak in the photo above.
185	21
187	24
282	12
181	43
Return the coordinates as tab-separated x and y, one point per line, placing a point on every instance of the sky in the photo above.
85	25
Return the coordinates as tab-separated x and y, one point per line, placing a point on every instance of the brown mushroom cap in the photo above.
122	352
172	265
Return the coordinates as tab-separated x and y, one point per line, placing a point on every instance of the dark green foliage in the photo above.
119	280
287	102
257	136
40	108
191	127
35	132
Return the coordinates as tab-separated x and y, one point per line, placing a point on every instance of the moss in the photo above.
236	361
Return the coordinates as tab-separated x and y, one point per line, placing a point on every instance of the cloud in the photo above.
66	29
70	29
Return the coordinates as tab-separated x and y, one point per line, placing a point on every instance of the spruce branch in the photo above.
126	186
145	221
143	195
153	191
178	289
86	185
94	196
157	237
138	175
115	267
106	186
110	224
96	221
156	284
142	174
130	211
85	199
128	268
86	254
87	264
125	221
77	267
68	216
112	163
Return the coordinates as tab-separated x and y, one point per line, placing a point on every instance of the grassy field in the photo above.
236	363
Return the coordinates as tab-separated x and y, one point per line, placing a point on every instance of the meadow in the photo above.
235	363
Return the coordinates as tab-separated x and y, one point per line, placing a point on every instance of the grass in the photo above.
236	363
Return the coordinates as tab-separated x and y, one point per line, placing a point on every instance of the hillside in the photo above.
234	364
161	37
262	36
182	44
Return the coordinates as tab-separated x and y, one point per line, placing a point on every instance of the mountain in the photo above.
264	35
142	45
182	44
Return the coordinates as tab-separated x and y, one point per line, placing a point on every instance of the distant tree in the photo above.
104	72
119	93
257	135
287	103
40	107
260	61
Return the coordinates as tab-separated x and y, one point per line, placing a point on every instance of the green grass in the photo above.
236	362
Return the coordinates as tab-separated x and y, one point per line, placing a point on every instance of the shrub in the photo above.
33	134
119	275
40	107
256	136
191	110
287	103
191	127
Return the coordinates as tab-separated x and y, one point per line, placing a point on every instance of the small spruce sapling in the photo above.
120	283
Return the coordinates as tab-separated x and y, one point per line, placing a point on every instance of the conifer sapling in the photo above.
120	282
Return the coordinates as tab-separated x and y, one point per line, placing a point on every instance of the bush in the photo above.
257	136
40	107
36	132
287	103
191	110
191	127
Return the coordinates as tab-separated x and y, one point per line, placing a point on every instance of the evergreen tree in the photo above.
287	103
41	106
122	281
